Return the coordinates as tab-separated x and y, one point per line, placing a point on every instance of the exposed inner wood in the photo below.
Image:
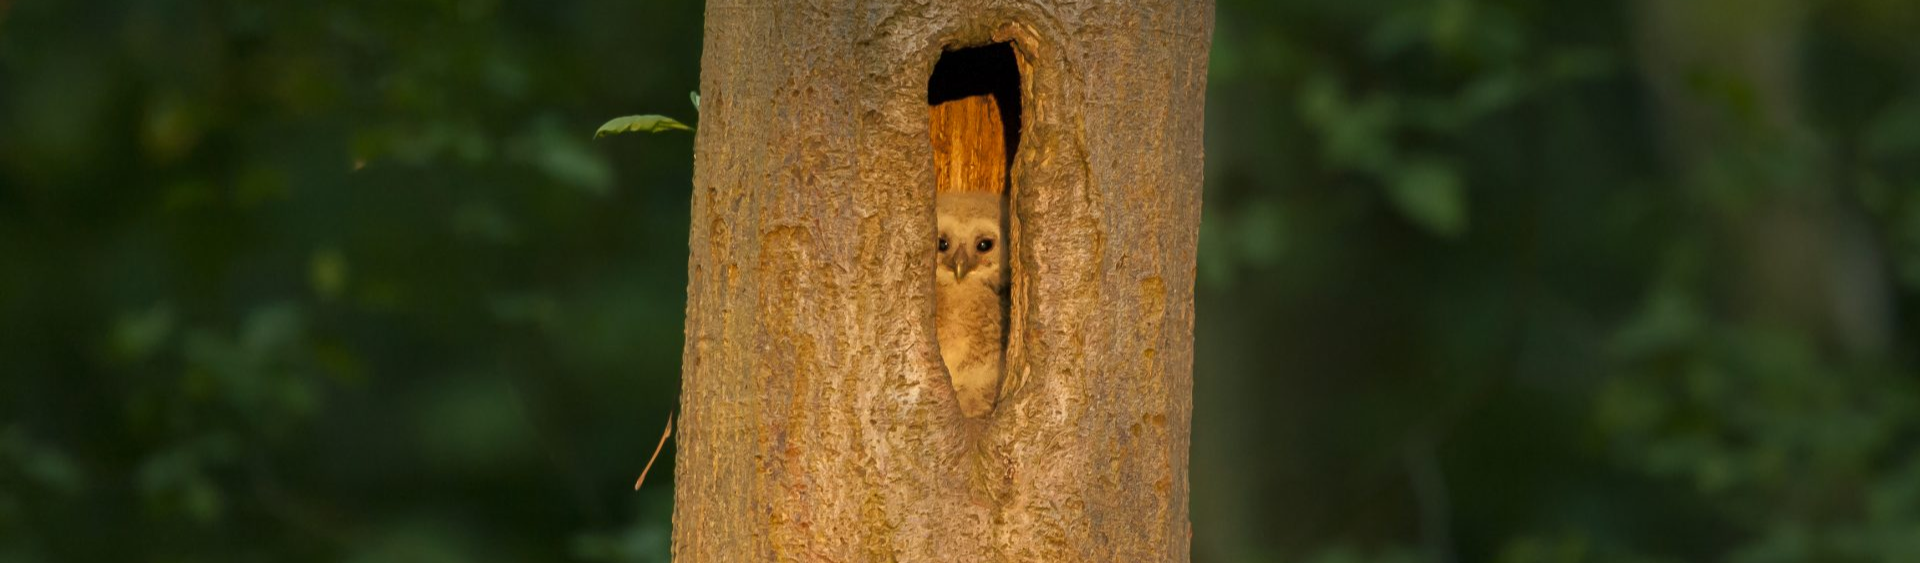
969	154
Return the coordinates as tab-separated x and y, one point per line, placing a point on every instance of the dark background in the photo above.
1480	280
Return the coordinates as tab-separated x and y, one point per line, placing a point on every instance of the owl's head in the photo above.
970	247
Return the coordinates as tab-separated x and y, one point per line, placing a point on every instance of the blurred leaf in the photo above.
1356	135
203	501
642	124
136	336
172	126
46	468
261	374
1669	318
563	158
178	479
1785	542
327	271
1429	193
695	96
1489	93
1626	408
272	329
1451	23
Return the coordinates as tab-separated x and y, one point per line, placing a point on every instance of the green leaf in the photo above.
1430	194
640	124
696	100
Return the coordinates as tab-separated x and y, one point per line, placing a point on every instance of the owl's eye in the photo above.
943	244
986	244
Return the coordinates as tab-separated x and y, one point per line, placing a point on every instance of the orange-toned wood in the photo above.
969	154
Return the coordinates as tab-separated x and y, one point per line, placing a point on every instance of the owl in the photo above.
970	290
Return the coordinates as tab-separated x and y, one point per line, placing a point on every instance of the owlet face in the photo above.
969	247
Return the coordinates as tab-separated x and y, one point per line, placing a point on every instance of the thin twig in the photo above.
656	452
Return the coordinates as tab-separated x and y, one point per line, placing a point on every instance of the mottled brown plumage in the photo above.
970	282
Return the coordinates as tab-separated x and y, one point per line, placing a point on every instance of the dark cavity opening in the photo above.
988	69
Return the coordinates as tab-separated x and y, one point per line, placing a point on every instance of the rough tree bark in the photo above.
818	423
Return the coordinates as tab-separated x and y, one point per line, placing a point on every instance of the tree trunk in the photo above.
818	422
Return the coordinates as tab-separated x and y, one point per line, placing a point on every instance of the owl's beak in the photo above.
963	262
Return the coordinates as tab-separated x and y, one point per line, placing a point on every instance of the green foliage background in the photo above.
1481	280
